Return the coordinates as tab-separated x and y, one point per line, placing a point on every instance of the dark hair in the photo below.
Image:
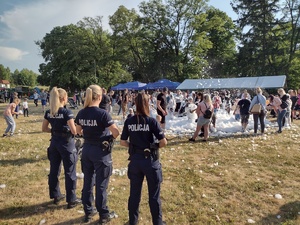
142	104
271	97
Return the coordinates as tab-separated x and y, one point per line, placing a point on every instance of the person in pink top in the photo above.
8	116
203	122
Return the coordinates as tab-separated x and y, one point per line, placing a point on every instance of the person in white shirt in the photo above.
191	110
179	99
171	106
25	107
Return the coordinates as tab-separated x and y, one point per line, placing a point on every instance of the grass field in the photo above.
232	180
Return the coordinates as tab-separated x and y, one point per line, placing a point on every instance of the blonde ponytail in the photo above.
57	96
92	93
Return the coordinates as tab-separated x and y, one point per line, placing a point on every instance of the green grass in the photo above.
225	181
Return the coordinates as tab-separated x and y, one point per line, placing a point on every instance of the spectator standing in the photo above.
259	98
294	99
43	96
25	107
162	106
243	105
201	121
36	98
124	102
282	108
105	101
6	95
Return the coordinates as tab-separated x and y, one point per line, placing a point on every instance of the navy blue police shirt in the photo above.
140	133
59	121
94	122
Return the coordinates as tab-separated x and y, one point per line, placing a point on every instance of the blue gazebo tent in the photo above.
161	84
135	85
118	87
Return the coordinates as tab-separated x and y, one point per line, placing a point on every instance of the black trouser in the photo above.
261	117
25	112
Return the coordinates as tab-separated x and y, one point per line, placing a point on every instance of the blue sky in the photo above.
24	21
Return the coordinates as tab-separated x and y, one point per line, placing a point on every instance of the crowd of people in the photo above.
144	116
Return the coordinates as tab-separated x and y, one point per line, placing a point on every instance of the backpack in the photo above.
207	114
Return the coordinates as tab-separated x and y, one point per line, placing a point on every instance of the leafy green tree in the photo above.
257	20
4	73
77	56
24	77
221	56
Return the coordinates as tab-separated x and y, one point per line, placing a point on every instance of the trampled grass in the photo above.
230	180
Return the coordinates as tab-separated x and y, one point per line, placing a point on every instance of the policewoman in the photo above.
99	131
138	135
62	147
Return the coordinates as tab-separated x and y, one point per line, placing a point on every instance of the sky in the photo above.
22	22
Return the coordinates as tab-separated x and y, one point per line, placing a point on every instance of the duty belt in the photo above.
61	134
145	152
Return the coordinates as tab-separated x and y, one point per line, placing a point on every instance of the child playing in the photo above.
8	116
25	107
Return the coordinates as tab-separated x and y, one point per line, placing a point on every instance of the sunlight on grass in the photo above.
230	180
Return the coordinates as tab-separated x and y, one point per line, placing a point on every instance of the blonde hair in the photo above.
281	91
57	96
16	100
92	93
258	90
207	99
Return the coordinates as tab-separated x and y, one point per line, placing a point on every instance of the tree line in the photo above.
177	40
24	77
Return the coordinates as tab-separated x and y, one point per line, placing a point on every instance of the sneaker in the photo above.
106	219
57	200
204	140
4	135
89	216
74	203
12	134
192	140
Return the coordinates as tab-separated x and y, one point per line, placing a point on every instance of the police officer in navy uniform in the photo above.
98	130
138	135
62	147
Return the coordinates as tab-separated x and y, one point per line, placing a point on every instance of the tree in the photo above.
76	56
24	78
257	20
221	56
4	73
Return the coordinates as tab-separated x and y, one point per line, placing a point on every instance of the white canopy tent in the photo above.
240	82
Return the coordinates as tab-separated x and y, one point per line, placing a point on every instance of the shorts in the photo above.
202	121
163	118
44	102
245	118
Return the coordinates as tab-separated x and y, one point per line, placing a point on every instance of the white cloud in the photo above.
12	54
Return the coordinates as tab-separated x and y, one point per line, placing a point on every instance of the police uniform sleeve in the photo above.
108	121
69	114
78	117
156	130
46	113
125	131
